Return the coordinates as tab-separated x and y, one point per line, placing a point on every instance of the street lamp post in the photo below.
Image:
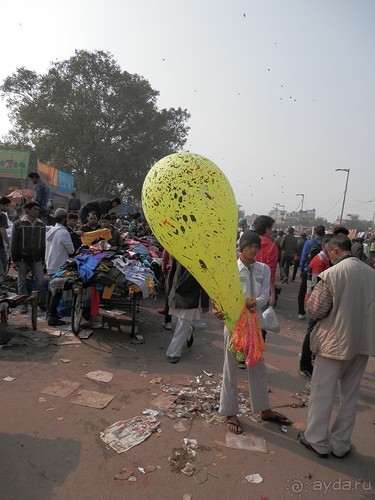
347	170
300	213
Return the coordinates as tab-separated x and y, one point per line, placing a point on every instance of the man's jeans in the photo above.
37	269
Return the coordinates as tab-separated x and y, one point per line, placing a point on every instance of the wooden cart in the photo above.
120	309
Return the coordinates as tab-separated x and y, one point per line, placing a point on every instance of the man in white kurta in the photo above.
255	281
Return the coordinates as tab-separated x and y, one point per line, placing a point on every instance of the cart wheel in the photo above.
77	310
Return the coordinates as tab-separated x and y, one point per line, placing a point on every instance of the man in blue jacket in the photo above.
319	232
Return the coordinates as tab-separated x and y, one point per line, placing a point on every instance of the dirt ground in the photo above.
51	448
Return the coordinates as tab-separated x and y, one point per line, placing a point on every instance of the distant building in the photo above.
303	217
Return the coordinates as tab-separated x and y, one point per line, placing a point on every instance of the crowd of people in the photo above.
40	242
336	296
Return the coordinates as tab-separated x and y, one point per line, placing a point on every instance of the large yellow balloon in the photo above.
190	206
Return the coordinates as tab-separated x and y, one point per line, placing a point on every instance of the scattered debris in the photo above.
61	388
179	459
9	379
196	398
302	400
124	474
207	373
187	496
100	376
42	400
137	339
69	339
246	441
254	478
191	444
53	333
124	434
150	468
284	429
65	360
85	334
163	401
141	469
156	380
153	413
188	470
93	399
179	426
59	419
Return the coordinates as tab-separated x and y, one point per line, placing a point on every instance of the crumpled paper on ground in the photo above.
124	434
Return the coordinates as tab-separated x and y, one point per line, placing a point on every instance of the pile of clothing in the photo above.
105	273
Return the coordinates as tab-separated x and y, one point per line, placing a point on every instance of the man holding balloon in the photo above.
255	280
179	194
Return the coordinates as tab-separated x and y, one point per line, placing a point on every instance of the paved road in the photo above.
51	448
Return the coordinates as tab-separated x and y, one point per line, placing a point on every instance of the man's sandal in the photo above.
278	418
234	425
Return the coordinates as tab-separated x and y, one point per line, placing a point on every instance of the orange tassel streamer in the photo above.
247	339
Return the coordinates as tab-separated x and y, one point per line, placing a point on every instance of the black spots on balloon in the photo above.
184	192
175	232
175	196
192	218
203	265
180	199
185	218
182	229
208	196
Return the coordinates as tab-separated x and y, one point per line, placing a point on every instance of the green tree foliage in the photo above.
88	117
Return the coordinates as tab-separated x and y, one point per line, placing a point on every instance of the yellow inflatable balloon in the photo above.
190	206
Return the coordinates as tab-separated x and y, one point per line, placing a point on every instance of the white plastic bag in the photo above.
271	322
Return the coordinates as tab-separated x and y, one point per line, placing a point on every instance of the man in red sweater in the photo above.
268	253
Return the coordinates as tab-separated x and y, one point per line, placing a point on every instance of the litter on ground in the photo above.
124	434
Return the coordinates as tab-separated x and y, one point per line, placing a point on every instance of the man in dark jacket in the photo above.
28	251
300	244
71	226
74	203
288	248
185	297
100	206
42	194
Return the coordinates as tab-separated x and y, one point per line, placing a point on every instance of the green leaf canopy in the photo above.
88	117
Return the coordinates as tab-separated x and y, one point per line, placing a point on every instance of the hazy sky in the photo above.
281	92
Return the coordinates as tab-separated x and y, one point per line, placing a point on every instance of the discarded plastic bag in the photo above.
254	478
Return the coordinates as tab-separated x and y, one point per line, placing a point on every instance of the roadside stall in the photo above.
102	285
